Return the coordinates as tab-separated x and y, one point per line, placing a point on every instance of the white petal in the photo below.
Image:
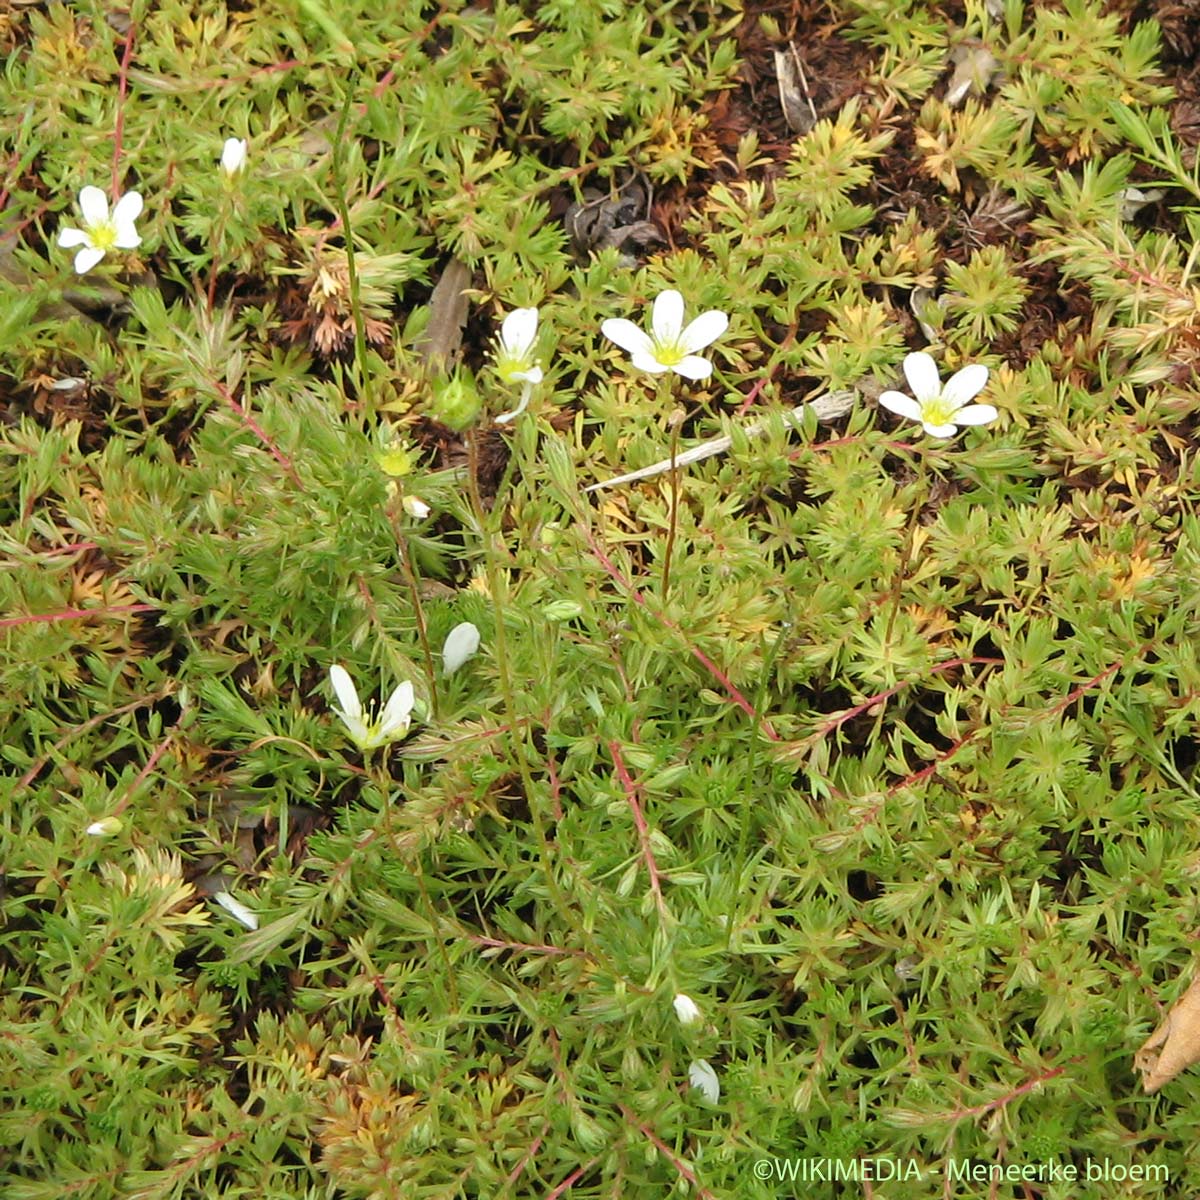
693	367
922	374
513	414
533	375
69	238
966	384
347	694
686	1010
940	431
462	642
397	712
645	360
128	209
126	212
703	1077
416	507
975	414
667	317
361	734
93	203
86	259
237	909
703	331
519	331
627	335
904	406
127	238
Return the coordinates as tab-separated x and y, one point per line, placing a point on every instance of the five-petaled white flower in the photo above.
233	156
392	723
101	230
941	409
669	347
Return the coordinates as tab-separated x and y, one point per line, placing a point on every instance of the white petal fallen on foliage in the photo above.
461	643
237	909
705	1080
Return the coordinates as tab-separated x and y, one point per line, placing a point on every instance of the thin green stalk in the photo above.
414	591
747	807
497	590
906	554
674	517
664	389
360	331
377	771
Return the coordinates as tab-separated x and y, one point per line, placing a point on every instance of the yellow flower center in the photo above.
103	236
670	354
937	412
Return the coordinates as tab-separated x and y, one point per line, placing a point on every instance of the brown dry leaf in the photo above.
794	96
601	222
449	306
1179	1039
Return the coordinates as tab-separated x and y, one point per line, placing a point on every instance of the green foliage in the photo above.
984	297
879	747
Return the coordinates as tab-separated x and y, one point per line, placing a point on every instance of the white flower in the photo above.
686	1010
702	1076
105	827
392	723
237	909
233	156
416	507
514	357
101	231
670	347
462	642
940	409
514	351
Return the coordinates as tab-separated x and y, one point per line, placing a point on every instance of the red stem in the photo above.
119	127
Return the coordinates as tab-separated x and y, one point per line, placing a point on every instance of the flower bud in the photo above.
456	403
687	1010
105	827
233	156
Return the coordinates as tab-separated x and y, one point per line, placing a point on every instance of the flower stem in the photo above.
360	336
906	554
497	591
675	419
414	591
215	265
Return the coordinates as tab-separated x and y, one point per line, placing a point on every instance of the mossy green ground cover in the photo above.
879	747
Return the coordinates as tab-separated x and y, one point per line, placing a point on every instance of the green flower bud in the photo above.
395	461
456	403
562	610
